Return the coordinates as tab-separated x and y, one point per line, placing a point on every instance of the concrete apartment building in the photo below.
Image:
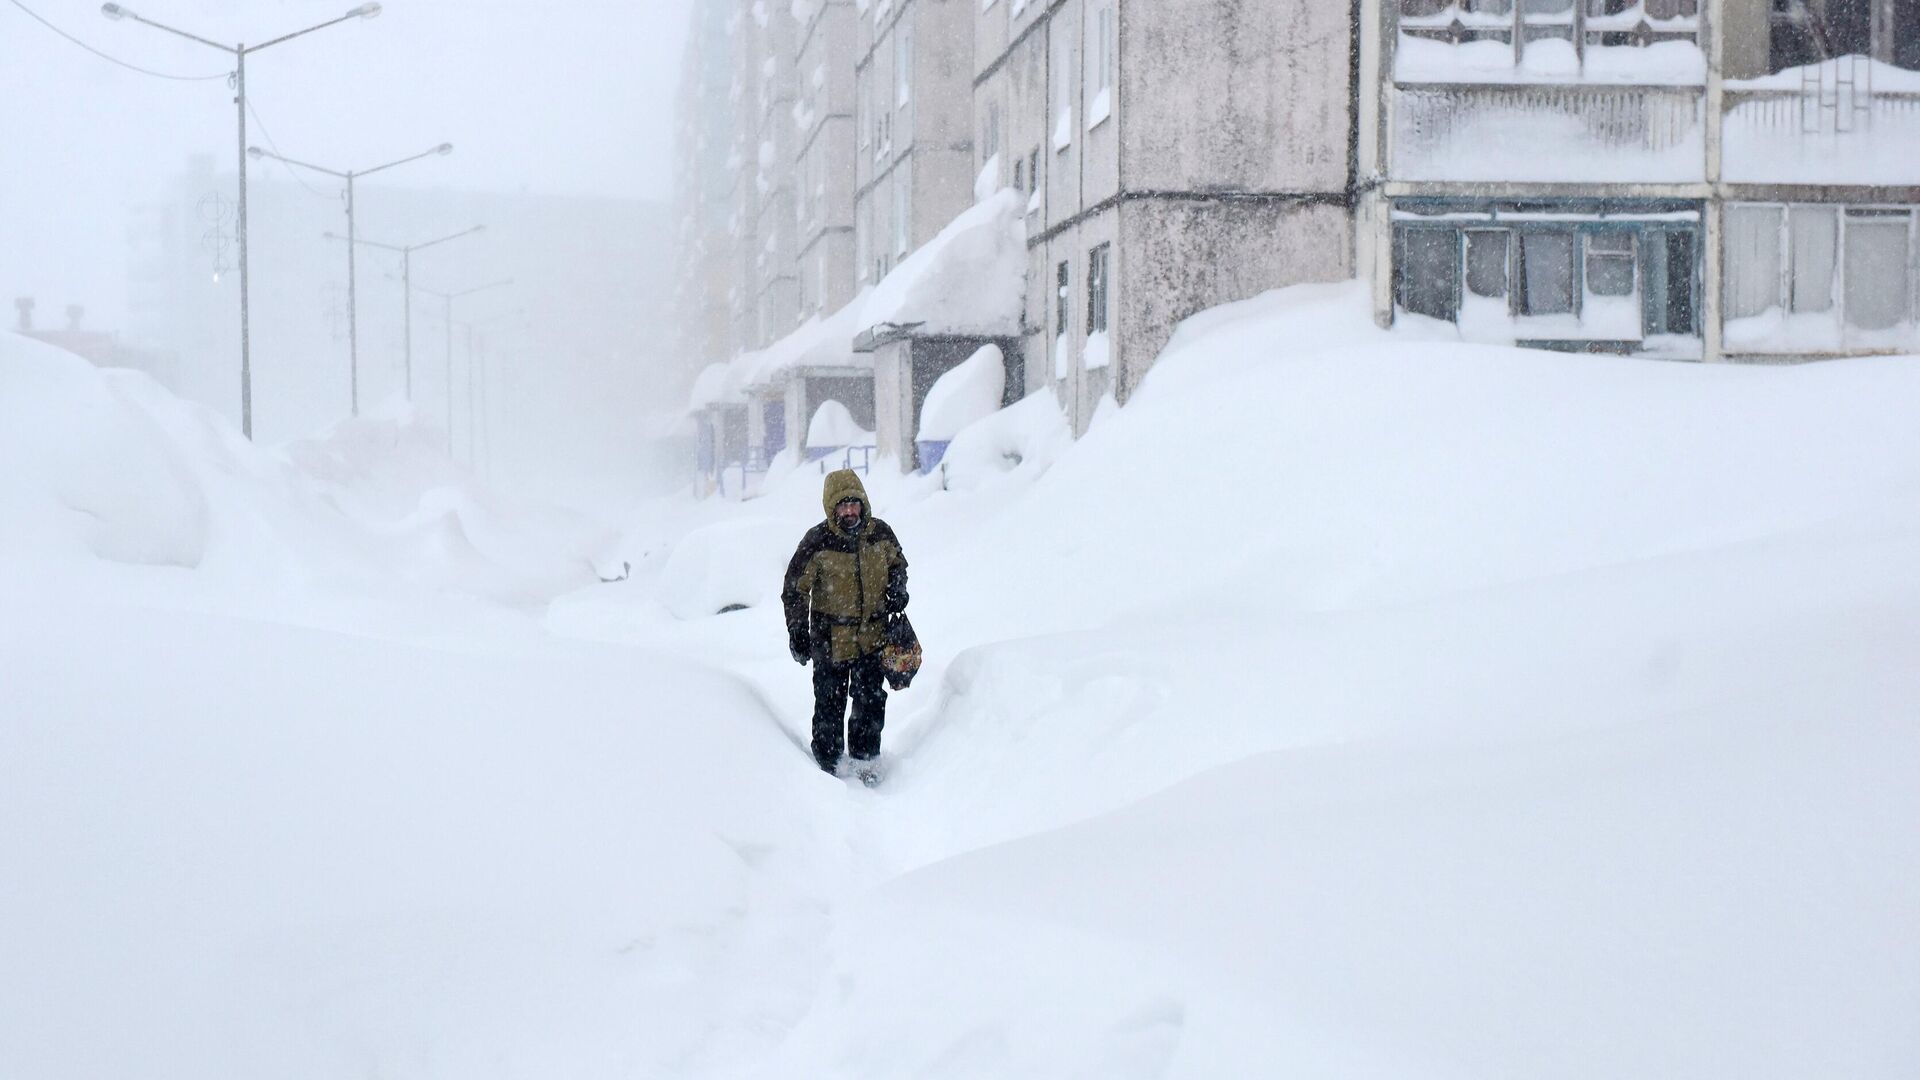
1683	178
913	165
1176	154
703	195
823	123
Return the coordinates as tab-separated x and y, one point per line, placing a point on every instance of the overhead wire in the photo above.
37	17
291	171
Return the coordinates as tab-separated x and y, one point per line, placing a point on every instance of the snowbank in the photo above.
90	471
725	565
970	279
970	392
1387	707
1025	437
123	471
1417	619
833	425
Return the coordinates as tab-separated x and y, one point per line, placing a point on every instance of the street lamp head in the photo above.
113	11
366	11
443	149
256	153
331	235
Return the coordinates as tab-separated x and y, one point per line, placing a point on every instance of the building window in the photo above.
863	108
1753	259
1603	279
1097	288
1428	269
1546	274
902	206
1487	257
1802	32
1063	299
1100	55
1834	273
1570	30
862	241
1814	245
1610	262
902	62
990	134
1020	175
1062	320
1062	93
1878	269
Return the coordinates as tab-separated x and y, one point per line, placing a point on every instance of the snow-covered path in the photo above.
1496	715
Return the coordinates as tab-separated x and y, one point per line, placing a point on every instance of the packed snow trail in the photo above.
1496	714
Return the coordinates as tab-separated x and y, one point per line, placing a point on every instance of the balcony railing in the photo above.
1548	134
1849	120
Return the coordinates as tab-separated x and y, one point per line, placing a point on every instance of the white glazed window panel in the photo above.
1814	241
1754	261
1878	273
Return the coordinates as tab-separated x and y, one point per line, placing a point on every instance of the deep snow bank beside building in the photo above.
1516	690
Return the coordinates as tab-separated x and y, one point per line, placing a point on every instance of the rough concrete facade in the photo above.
1129	122
913	148
823	116
1718	198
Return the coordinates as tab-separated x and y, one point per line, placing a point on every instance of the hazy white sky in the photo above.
567	96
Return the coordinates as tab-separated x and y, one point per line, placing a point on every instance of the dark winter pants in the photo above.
832	685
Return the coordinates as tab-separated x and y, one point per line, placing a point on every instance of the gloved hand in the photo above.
800	647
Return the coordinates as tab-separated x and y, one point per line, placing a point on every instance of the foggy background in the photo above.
117	189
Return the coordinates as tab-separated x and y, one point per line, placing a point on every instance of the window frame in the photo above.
1063	299
1099	270
1785	283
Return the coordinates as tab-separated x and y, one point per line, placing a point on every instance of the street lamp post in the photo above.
353	321
405	252
448	298
239	53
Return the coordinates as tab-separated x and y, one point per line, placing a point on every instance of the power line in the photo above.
291	171
36	17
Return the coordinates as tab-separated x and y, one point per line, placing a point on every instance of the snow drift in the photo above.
118	469
1348	704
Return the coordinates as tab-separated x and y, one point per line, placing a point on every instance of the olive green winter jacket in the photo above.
840	586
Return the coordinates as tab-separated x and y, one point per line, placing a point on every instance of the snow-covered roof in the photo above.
712	387
970	279
817	342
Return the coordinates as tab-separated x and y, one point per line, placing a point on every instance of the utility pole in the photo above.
405	251
239	53
447	299
353	319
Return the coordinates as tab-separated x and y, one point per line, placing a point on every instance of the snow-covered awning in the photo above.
969	280
711	387
818	342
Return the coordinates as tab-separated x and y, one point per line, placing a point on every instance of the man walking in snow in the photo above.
845	579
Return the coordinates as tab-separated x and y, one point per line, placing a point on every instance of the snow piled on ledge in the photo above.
970	279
